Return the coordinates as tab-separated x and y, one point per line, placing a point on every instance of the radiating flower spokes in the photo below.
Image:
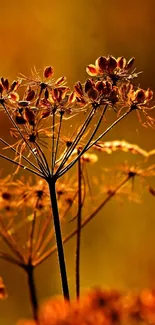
36	197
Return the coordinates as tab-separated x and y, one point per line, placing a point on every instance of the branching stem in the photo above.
86	220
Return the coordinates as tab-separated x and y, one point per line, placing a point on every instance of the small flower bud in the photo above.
101	63
60	81
78	89
139	96
92	70
48	72
130	63
112	63
93	93
88	85
30	95
121	62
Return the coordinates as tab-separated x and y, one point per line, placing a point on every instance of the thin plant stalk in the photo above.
59	242
58	137
79	217
53	141
77	139
22	166
19	154
32	289
10	259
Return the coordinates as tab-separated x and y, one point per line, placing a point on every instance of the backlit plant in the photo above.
39	108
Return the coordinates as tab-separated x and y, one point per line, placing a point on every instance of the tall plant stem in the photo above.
59	242
32	289
53	141
78	242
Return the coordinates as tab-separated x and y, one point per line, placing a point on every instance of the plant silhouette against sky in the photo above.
39	108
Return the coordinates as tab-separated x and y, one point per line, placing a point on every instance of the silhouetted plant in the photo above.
38	108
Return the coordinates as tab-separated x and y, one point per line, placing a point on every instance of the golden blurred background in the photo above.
118	247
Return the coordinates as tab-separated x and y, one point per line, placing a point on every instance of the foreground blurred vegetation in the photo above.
117	246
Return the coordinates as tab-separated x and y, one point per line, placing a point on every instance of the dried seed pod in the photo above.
78	89
57	94
130	63
46	113
93	93
5	83
88	85
48	72
14	96
30	96
60	81
64	89
139	95
13	85
112	63
30	116
72	98
81	101
101	63
100	86
91	69
108	87
1	88
121	62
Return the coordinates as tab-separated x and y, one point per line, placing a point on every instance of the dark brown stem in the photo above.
59	242
53	141
32	289
78	242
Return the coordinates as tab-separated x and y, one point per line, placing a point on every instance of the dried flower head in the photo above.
116	69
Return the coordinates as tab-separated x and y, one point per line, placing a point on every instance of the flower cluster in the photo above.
115	69
100	307
37	106
25	209
32	213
